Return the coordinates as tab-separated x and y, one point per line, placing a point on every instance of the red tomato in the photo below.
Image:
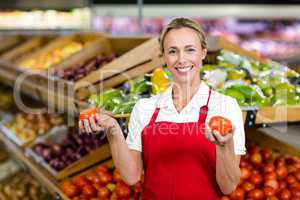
269	191
285	194
268	167
101	169
272	198
256	158
280	161
256	194
266	154
295	191
244	163
270	175
97	186
282	185
291	169
245	173
87	113
80	181
272	183
281	172
105	178
89	191
117	176
238	194
70	189
247	186
256	179
220	124
95	178
103	192
122	190
297	175
290	179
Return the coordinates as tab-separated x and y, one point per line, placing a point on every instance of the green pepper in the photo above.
235	94
124	108
106	96
140	87
235	74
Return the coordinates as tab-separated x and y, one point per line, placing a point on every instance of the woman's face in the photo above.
184	54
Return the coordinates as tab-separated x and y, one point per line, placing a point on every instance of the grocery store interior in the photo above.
58	57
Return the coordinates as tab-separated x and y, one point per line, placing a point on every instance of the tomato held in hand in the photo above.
220	124
86	114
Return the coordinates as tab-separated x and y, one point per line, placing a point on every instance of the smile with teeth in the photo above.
184	69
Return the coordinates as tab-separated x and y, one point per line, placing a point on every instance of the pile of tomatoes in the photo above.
101	184
266	177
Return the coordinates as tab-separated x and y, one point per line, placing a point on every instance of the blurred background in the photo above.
269	26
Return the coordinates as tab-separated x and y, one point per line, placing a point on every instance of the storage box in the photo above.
58	135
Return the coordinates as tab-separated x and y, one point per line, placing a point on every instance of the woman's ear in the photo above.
204	53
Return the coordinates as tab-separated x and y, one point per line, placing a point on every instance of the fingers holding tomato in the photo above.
219	130
94	120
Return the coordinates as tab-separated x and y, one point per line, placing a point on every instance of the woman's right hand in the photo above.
101	121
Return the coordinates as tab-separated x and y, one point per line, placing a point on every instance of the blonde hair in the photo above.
178	23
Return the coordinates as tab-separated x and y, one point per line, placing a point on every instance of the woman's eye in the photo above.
172	51
191	50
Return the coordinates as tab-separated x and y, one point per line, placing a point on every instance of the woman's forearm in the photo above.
227	167
124	159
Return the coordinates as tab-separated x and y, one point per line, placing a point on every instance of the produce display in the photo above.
265	175
251	82
122	100
102	183
29	126
8	167
45	60
6	98
68	149
80	70
22	186
248	81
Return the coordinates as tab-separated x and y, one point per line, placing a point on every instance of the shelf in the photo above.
39	173
209	11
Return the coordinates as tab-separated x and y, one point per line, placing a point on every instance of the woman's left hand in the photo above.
216	138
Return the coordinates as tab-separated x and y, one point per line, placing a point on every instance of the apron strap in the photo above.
154	116
204	109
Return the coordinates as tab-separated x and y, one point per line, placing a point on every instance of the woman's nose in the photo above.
181	58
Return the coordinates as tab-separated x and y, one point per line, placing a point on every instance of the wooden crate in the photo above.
26	47
133	63
216	43
138	61
277	114
262	139
95	156
87	38
9	42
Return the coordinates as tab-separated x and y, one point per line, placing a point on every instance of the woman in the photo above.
166	141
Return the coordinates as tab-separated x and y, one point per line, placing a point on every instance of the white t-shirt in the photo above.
219	104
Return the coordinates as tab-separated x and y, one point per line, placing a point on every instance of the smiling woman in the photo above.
169	139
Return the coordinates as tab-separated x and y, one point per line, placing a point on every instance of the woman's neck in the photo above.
183	93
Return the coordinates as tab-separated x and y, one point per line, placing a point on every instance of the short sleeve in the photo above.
236	117
135	128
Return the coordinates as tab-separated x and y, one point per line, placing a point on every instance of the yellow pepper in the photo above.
160	80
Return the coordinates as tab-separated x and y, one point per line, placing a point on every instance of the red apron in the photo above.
179	162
